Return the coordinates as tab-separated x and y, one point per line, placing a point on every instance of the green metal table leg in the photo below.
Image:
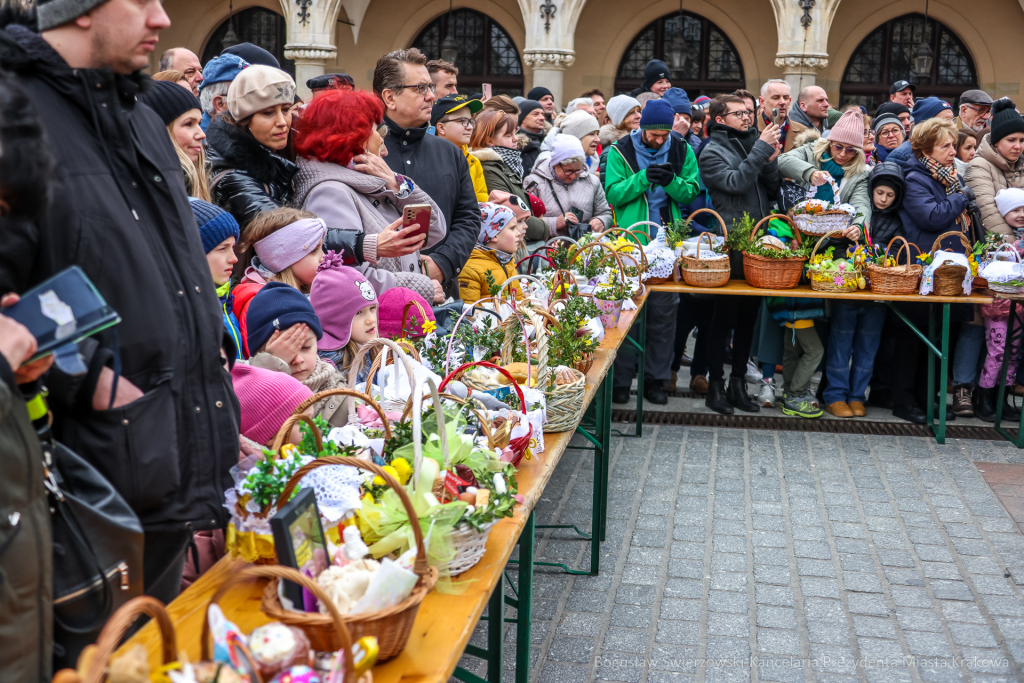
930	409
605	435
524	609
940	433
1001	396
495	640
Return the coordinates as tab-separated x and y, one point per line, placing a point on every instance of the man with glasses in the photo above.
452	118
738	166
975	110
402	82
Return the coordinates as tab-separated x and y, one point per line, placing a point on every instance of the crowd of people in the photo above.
252	243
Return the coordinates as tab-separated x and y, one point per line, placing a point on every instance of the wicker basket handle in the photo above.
295	418
952	233
343	391
457	372
485	424
721	221
562	281
646	235
466	308
1013	250
417	425
781	217
405	315
824	237
119	623
514	278
383	344
509	342
633	236
906	245
288	574
618	260
711	244
399	355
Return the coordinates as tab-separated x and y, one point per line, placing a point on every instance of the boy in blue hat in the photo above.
219	232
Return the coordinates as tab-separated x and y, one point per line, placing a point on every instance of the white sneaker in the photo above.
753	375
766	396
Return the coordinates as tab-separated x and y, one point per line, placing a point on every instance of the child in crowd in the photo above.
284	331
267	399
389	315
347	306
1010	202
802	352
857	325
219	232
281	245
500	233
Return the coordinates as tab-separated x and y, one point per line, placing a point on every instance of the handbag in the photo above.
576	230
97	551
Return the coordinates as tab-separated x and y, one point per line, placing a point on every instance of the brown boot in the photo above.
857	408
839	409
699	384
962	406
671	384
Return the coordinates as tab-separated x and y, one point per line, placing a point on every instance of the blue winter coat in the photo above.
902	154
927	212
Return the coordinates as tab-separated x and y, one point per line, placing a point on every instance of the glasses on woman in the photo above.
570	172
891	132
842	149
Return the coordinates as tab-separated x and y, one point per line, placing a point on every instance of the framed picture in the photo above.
299	540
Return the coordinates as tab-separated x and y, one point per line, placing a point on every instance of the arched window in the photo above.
702	60
254	25
486	51
887	56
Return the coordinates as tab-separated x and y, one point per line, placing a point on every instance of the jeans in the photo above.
802	351
738	313
852	345
661	335
693	311
970	345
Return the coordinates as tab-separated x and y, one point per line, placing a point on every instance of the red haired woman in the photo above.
344	180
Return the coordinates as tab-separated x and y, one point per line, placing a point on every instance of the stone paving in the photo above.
736	555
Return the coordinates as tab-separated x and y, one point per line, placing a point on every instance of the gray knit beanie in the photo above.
53	13
619	106
579	124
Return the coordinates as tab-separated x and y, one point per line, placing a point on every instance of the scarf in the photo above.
503	256
879	154
947	175
783	129
656	195
513	158
825	192
230	321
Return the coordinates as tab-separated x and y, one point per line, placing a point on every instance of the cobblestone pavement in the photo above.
778	556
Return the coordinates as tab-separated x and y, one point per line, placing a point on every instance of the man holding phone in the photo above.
773	107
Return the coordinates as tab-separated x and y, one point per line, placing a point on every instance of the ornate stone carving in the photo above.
549	59
309	54
801	62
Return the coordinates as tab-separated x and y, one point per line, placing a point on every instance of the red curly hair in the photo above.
336	125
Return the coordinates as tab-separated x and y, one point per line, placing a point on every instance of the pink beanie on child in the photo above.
849	130
337	294
267	399
392	305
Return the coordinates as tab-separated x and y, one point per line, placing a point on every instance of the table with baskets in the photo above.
444	623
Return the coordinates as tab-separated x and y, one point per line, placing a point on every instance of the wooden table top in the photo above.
444	622
741	288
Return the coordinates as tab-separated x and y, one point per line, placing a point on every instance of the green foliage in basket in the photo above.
499	506
592	264
615	290
266	480
739	239
492	286
566	346
676	232
307	446
401	435
560	255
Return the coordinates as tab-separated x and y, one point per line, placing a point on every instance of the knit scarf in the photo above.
503	256
880	153
825	189
947	175
324	377
513	158
783	130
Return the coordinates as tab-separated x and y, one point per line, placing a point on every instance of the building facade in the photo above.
852	49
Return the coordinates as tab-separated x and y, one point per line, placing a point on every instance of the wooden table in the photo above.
741	288
444	623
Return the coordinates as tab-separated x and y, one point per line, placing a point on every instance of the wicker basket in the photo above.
405	334
999	286
618	261
94	660
326	632
399	350
520	445
391	626
773	273
585	363
948	279
505	325
896	279
820	282
698	272
822	223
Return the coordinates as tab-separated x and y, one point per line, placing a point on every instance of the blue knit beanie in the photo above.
657	115
215	224
678	99
277	307
928	108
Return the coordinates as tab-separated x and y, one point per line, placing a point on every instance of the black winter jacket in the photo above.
248	178
441	170
119	211
886	223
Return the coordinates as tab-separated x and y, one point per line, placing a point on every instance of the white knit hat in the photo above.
566	147
619	106
257	88
1009	199
579	124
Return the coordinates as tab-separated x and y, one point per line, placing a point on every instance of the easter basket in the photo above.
95	659
479	381
812	217
773	273
896	279
837	281
391	626
549	320
1005	287
948	279
705	272
326	632
400	350
617	256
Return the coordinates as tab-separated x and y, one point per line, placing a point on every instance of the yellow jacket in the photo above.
473	277
476	173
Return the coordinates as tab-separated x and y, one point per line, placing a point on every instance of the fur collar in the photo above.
233	148
486	154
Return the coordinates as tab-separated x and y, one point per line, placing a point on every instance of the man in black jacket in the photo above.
401	80
155	413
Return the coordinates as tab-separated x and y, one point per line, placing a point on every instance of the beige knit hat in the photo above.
257	88
579	124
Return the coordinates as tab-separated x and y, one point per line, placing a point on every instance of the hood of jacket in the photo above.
230	148
312	172
798	115
805	136
892	174
487	154
609	134
988	152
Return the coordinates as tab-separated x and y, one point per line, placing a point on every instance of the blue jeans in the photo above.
852	345
970	347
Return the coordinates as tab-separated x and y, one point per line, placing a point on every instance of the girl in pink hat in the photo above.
346	304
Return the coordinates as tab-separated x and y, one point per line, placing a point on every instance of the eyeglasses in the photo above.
740	113
570	172
465	122
837	148
422	88
892	132
983	111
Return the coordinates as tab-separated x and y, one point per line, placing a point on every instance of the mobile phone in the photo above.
576	211
487	91
775	117
417	213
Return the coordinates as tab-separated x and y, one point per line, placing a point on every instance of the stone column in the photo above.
800	71
309	62
548	67
550	35
310	38
803	27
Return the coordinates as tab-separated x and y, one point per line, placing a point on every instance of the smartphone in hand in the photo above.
417	213
487	91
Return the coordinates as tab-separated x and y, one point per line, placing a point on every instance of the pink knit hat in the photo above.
337	294
267	399
849	130
389	315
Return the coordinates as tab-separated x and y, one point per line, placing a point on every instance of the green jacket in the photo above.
626	186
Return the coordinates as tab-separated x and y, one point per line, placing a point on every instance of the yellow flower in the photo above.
288	450
392	471
403	469
378	480
429	326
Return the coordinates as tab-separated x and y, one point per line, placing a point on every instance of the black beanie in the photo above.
525	107
170	100
254	54
536	93
1005	119
654	72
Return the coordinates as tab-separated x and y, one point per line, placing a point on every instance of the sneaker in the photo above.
766	394
800	406
753	375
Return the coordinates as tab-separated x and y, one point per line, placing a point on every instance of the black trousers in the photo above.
163	562
694	311
738	313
